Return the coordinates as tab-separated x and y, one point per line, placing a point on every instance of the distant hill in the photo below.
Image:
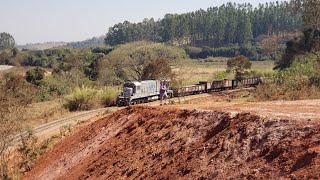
41	46
93	42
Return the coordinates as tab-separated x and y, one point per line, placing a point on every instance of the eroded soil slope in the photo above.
157	143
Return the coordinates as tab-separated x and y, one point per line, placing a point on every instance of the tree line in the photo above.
226	25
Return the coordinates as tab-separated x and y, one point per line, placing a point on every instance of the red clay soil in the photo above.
161	143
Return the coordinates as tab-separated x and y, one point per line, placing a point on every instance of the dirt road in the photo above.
5	67
295	110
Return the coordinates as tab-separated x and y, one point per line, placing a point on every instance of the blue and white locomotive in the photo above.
136	92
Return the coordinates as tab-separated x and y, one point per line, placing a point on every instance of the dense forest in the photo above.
229	24
259	32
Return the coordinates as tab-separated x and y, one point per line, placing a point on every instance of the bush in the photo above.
81	98
15	95
299	81
273	91
56	84
85	98
35	75
42	95
268	91
108	96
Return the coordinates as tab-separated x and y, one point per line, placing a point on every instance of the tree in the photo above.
130	60
244	31
157	69
308	42
310	12
238	66
215	27
92	70
4	57
102	49
6	41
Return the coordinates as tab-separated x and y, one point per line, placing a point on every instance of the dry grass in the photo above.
19	70
44	112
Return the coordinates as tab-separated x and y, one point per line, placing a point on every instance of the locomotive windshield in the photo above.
130	85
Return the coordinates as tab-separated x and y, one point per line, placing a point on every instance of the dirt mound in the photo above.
160	143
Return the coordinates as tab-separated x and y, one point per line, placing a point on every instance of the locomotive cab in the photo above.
138	92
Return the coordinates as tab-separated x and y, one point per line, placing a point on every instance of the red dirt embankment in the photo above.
161	143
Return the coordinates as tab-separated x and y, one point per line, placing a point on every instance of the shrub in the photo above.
299	81
28	151
35	75
273	91
81	98
42	95
15	95
56	84
268	91
108	96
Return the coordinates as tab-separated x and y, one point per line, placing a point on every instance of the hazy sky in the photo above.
32	21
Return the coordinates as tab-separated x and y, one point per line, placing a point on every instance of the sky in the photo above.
38	21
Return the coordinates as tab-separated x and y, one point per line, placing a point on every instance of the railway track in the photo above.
54	125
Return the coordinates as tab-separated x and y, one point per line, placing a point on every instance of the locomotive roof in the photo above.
139	83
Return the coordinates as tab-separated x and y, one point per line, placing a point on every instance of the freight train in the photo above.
135	92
